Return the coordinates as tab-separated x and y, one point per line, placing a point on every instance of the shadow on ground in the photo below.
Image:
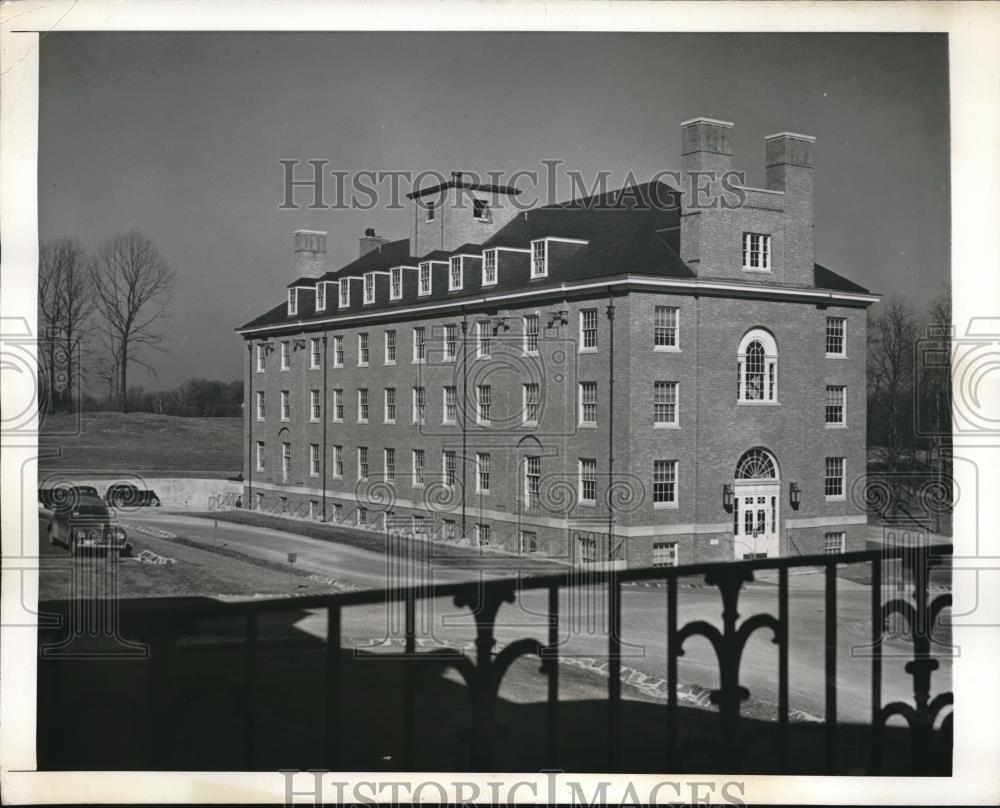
185	701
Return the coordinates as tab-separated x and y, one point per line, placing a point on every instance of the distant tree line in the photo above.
206	398
98	315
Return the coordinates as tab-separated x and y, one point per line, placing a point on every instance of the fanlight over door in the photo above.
755	511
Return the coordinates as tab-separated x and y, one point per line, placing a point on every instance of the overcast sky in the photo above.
180	135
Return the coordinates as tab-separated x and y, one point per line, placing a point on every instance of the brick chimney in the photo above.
706	156
310	253
370	242
790	166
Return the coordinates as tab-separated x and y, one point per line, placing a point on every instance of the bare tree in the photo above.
133	285
65	306
892	338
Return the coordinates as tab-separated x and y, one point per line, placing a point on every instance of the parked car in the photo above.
65	494
85	523
126	495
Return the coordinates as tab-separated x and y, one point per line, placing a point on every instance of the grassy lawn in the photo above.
167	445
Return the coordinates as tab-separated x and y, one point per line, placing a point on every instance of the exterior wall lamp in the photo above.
794	495
727	496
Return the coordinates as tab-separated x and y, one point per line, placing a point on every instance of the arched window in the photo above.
757	367
757	464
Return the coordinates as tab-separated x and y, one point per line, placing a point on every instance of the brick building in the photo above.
653	376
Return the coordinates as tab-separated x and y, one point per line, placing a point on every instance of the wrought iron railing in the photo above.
483	672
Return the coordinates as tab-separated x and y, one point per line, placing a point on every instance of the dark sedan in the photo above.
85	523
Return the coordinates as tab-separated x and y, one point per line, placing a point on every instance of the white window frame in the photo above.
389	346
673	467
539	259
315	354
455	262
531	498
338	350
315	407
338	462
769	369
419	344
842	496
419	469
261	359
757	246
491	261
523	542
344	293
364	404
338	405
293	301
286	461
665	330
842	423
585	465
389	464
261	456
419	405
314	460
669	549
425	273
449	344
364	349
484	399
286	353
321	296
674	398
483	534
843	338
840	536
363	463
525	319
446	456
369	289
580	419
483	473
445	406
261	405
396	283
484	337
584	348
285	408
524	403
389	407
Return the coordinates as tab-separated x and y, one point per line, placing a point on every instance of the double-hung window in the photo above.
260	405
261	359
489	267
285	355
448	467
314	460
664	482
369	287
314	354
419	405
588	481
484	402
539	258
482	473
756	252
532	403
338	351
836	336
344	293
588	330
396	283
389	464
836	399
390	405
588	403
455	273
665	403
418	466
293	302
363	353
286	461
390	347
314	406
286	406
484	339
362	405
424	279
833	481
450	341
320	296
338	461
665	328
531	334
261	457
419	344
532	480
362	462
338	405
450	411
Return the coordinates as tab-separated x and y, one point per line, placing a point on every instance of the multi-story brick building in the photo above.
656	376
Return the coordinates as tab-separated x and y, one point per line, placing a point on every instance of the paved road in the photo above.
252	560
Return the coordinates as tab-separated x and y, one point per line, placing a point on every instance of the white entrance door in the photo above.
756	528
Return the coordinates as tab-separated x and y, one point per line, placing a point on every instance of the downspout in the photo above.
611	420
323	413
251	415
465	408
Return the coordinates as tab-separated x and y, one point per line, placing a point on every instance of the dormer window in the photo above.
396	283
455	274
489	267
320	297
293	302
430	211
369	287
539	258
756	252
344	290
481	209
424	287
